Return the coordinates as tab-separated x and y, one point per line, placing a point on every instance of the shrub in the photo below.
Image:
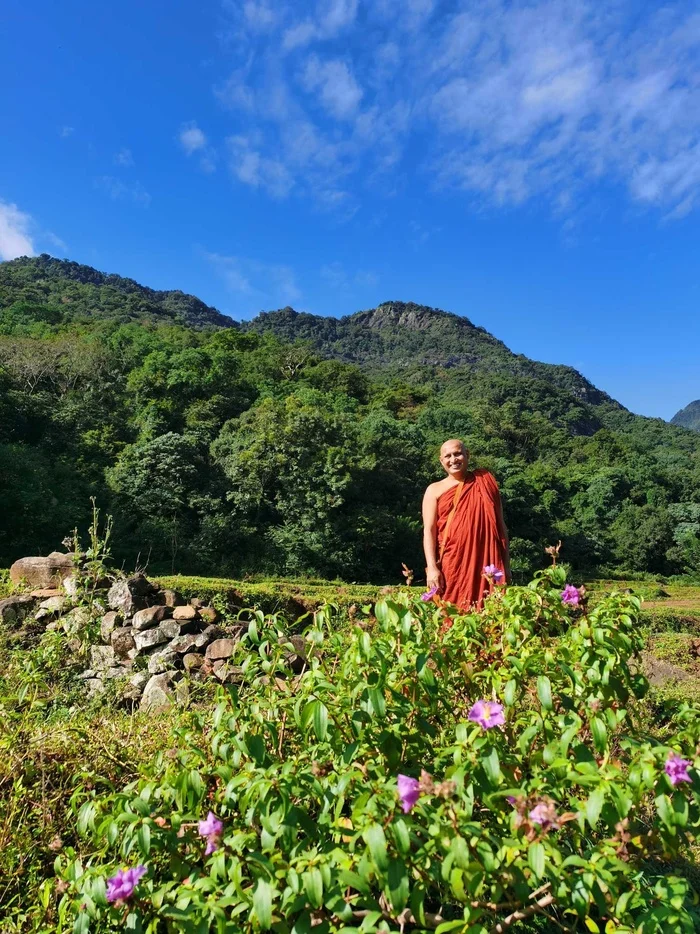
442	771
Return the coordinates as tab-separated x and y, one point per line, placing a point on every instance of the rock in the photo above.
109	623
162	661
88	673
95	686
123	641
14	609
145	619
184	643
182	693
45	594
197	603
42	573
129	595
71	586
78	618
221	648
192	661
51	607
149	638
102	657
117	672
297	660
157	695
139	680
208	614
171	598
661	673
185	612
207	636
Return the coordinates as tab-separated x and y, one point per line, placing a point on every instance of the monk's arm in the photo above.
432	568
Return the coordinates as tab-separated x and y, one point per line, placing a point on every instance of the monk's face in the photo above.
454	458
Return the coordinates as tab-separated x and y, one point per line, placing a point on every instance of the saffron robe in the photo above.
470	540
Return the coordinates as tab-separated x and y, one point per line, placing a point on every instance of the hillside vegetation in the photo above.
301	445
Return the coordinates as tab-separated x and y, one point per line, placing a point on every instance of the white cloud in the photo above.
191	138
15	232
340	280
66	131
124	158
504	99
333	80
119	190
256	283
55	241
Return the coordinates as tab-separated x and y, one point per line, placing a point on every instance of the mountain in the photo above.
68	291
689	417
404	336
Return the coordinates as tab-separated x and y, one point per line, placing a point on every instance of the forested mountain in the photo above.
296	444
689	417
68	291
404	336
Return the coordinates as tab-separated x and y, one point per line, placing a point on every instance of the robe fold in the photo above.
470	540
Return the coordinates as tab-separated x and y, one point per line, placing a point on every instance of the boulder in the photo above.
297	659
46	593
149	638
184	644
109	623
42	573
50	607
221	648
192	661
171	598
14	609
157	695
77	620
164	660
129	595
208	614
95	686
185	612
71	586
102	657
151	616
177	627
123	641
206	636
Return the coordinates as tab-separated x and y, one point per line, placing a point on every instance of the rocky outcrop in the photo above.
43	573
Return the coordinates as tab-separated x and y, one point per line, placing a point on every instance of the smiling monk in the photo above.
464	531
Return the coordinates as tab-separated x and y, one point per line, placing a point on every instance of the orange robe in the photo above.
473	541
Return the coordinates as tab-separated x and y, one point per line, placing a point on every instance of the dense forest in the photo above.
298	444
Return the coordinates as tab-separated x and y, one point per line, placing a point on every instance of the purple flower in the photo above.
429	594
570	595
211	828
409	792
487	714
494	573
544	814
121	886
677	769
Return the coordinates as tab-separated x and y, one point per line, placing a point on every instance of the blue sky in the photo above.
534	166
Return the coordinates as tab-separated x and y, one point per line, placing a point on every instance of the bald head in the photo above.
454	458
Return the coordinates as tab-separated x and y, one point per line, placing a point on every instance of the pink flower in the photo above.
494	573
122	885
487	714
570	595
429	594
211	828
677	769
409	792
544	814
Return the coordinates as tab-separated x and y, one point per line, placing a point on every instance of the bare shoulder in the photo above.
435	490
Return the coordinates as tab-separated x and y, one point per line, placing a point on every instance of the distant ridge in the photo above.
45	280
689	417
405	335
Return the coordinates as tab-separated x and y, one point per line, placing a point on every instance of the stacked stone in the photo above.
171	635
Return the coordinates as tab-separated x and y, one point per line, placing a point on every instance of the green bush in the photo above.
373	791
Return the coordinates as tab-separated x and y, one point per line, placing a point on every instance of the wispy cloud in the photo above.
505	100
193	140
256	284
339	279
119	190
66	131
15	232
124	158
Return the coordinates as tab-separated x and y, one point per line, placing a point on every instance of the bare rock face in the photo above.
171	598
42	573
151	616
148	639
109	623
185	612
127	596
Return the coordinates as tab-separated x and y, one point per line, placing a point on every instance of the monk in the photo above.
464	531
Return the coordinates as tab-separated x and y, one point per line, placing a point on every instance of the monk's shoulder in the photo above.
438	488
486	477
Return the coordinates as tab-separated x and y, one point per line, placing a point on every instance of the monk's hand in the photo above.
434	578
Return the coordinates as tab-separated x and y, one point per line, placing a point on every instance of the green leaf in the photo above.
398	884
492	767
509	692
376	841
143	837
313	886
320	720
535	858
544	691
262	903
401	836
600	734
594	805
